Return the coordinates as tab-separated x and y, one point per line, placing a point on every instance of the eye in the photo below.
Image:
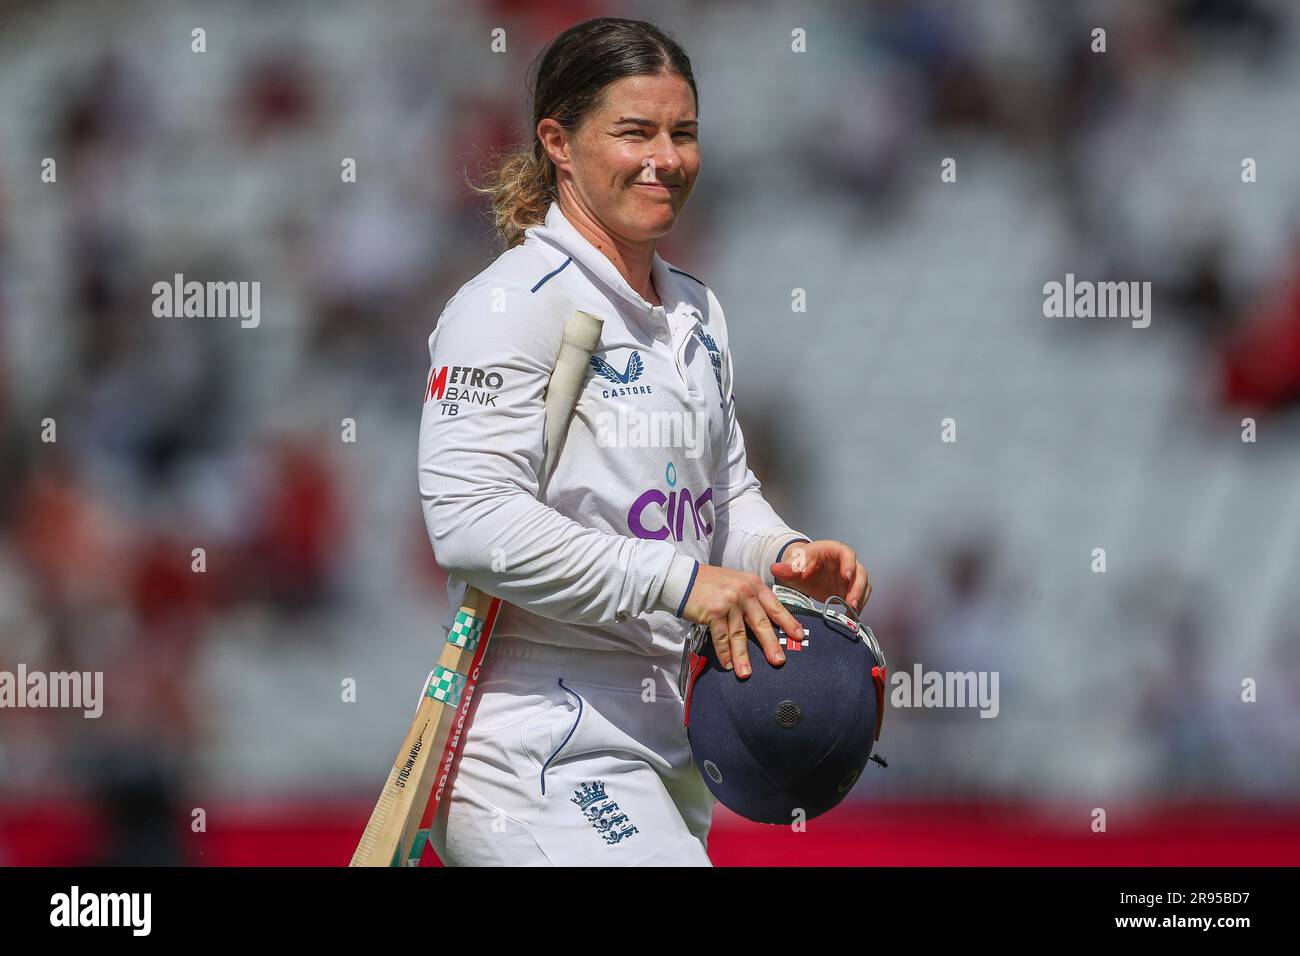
634	132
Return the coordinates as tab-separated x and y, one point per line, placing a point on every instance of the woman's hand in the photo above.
726	600
824	569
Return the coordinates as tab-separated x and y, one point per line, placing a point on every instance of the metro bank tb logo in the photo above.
658	516
450	385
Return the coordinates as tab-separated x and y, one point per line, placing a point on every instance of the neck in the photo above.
632	259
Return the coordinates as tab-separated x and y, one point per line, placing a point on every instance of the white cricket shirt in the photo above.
652	479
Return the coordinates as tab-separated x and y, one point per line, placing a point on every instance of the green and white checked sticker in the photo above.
417	849
466	631
446	686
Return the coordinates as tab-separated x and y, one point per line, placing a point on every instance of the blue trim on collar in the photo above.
544	279
687	274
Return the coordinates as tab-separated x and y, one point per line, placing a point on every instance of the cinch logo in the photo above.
667	512
631	372
453	384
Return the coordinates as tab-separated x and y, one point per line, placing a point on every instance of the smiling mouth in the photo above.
657	186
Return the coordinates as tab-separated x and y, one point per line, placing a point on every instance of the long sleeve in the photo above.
480	458
749	535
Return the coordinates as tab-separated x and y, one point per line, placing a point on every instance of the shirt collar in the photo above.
563	235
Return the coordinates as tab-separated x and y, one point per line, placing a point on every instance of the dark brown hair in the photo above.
568	80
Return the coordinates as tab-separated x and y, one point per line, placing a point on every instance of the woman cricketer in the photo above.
650	521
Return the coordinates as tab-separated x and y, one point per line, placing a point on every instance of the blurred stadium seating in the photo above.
821	173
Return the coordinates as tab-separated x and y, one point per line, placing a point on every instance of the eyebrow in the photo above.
639	121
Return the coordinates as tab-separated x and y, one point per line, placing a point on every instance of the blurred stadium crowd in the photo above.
821	172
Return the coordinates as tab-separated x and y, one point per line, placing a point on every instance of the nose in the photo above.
667	157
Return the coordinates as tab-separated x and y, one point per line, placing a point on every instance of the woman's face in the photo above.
634	159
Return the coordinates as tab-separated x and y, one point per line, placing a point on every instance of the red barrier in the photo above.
325	834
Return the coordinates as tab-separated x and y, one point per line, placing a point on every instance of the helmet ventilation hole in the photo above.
788	714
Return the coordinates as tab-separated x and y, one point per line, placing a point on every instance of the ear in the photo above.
555	141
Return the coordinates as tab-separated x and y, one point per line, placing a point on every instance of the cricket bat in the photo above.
398	829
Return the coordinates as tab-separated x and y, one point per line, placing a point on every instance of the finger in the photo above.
858	589
739	642
866	594
756	618
848	562
721	646
780	613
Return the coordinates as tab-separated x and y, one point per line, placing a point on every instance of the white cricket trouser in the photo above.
574	758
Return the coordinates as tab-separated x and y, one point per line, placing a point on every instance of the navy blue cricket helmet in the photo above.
793	737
